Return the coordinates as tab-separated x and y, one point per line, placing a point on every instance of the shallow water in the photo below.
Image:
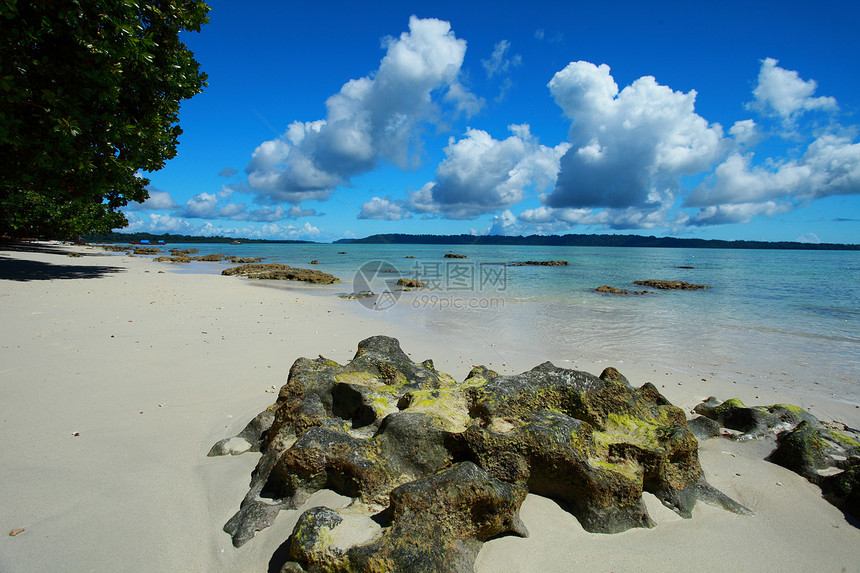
792	317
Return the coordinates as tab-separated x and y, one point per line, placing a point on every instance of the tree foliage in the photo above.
89	98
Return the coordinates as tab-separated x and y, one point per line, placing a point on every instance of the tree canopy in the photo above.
89	99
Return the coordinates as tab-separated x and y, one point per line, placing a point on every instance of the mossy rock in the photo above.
449	463
803	451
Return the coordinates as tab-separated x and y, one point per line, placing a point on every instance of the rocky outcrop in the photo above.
436	467
754	422
213	258
176	259
454	256
410	283
244	260
670	285
540	263
273	271
180	252
116	249
804	444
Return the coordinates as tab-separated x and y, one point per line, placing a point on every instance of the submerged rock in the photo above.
274	271
670	285
410	283
540	263
606	289
174	259
146	251
454	256
441	466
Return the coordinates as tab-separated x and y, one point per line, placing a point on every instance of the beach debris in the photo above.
273	271
17	531
422	454
670	285
804	445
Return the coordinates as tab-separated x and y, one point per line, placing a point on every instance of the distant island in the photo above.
590	241
530	240
169	238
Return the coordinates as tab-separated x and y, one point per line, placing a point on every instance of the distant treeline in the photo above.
592	241
168	238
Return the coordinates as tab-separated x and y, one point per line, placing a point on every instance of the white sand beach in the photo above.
118	373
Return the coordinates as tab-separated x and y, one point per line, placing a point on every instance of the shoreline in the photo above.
151	365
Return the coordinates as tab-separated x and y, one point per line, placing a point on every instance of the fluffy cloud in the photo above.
212	206
483	175
830	166
736	213
201	206
783	93
377	117
629	148
158	201
384	209
162	223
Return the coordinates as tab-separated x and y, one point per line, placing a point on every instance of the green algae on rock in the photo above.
441	467
804	445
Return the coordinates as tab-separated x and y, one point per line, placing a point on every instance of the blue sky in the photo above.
729	120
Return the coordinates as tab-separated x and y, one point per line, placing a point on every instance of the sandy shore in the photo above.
117	374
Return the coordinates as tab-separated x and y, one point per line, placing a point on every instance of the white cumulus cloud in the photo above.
374	118
157	201
384	208
783	93
483	175
629	148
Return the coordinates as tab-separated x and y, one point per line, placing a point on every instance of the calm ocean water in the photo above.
790	316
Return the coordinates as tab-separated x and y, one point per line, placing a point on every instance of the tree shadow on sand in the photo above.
24	270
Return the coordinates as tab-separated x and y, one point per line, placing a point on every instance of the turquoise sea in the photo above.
792	317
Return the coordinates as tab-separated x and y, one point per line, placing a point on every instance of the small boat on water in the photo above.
147	242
